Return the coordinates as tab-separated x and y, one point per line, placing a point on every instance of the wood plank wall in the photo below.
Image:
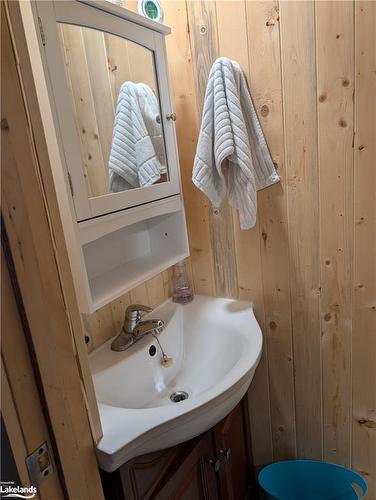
33	231
309	265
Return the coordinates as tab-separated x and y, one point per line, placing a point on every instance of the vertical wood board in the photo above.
205	49
335	86
265	85
300	129
182	77
364	286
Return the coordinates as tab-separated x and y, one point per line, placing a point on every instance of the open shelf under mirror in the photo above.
122	259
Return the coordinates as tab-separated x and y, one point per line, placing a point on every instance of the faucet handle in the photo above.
136	310
133	315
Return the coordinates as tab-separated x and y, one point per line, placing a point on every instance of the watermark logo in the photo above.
9	490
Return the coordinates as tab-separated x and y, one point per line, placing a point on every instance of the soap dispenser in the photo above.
182	292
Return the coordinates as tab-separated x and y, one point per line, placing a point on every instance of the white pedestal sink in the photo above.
215	345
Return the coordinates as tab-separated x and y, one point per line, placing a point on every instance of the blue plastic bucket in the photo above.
311	480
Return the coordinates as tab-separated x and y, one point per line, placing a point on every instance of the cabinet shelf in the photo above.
122	259
115	283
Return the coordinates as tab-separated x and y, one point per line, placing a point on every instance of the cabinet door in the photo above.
194	479
108	90
141	476
233	451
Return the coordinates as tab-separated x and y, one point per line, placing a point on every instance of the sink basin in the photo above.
215	345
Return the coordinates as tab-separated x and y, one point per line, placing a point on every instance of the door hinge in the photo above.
70	184
41	30
39	464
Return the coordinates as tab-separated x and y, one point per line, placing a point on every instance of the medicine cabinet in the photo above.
106	86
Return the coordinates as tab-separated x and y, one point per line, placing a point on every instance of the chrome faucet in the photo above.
134	329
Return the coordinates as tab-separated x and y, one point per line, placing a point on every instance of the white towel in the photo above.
137	156
231	130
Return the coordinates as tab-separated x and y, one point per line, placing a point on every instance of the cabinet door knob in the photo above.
171	116
222	457
225	454
216	464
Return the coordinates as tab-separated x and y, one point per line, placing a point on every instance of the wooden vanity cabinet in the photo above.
217	465
233	448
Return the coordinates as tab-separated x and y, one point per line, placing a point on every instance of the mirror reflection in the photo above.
114	91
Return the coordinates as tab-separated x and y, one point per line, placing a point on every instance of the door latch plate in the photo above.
39	464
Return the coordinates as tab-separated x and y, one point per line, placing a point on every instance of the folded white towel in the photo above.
230	129
137	152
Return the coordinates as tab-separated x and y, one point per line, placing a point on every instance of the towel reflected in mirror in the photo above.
137	157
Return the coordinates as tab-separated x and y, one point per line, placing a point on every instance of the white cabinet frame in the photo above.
117	21
156	214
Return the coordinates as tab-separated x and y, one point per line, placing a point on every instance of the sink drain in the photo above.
178	396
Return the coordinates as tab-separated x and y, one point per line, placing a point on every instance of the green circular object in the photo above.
151	9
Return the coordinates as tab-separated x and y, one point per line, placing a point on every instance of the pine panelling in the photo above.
265	83
159	288
364	298
100	326
299	93
96	175
184	98
14	430
21	406
233	43
308	265
335	86
141	63
103	99
205	49
50	311
118	63
140	59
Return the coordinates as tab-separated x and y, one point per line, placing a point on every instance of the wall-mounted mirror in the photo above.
114	90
